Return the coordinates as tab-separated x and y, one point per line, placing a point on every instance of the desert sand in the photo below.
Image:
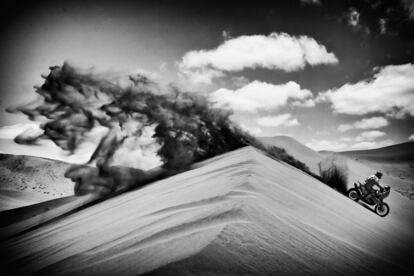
241	213
357	165
395	161
392	154
26	180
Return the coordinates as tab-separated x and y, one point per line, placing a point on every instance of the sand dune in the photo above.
399	176
394	154
395	161
26	180
298	150
18	220
15	199
241	213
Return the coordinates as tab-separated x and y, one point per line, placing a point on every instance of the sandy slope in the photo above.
357	171
15	199
25	180
396	161
18	220
238	214
392	154
298	150
399	176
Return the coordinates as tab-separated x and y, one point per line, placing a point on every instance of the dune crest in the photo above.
238	213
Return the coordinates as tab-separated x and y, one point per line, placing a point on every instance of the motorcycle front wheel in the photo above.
353	194
382	209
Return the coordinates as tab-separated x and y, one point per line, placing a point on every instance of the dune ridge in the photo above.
238	213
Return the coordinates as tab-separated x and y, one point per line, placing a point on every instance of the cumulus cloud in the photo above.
390	91
365	136
411	138
240	81
311	2
139	152
200	75
323	144
276	51
307	103
338	146
260	95
278	120
369	135
366	123
409	6
365	140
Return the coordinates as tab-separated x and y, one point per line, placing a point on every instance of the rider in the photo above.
372	181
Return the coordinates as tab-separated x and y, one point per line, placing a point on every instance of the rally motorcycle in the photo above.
359	192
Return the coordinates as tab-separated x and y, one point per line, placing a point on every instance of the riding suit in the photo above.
370	182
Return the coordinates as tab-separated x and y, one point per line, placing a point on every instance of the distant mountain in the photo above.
326	152
394	154
26	180
298	150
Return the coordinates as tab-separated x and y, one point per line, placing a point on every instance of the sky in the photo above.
335	75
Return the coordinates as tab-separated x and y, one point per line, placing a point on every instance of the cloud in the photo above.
373	122
336	146
255	131
382	22
276	51
369	135
225	34
327	145
409	6
389	91
367	123
411	138
240	81
353	17
200	75
311	2
364	136
143	156
307	103
345	127
371	145
260	95
278	120
346	139
10	132
322	132
366	140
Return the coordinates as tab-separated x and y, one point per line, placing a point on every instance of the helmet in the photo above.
378	174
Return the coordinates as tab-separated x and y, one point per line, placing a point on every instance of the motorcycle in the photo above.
359	193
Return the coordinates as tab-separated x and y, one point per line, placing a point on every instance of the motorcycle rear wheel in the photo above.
353	194
382	209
